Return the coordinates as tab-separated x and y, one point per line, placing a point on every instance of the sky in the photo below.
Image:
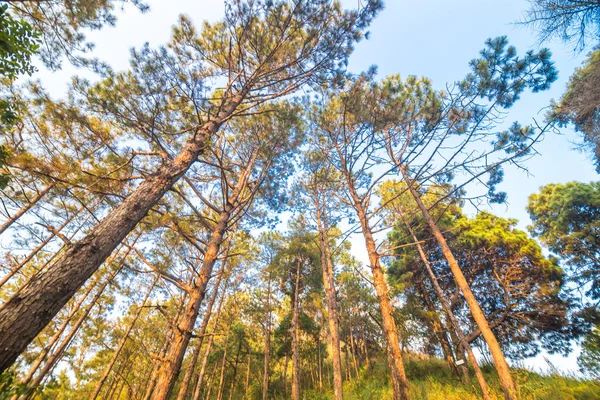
435	39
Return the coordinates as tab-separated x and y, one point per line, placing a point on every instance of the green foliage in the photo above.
431	379
18	43
520	290
9	386
589	360
566	218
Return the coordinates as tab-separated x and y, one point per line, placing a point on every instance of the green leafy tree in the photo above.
566	218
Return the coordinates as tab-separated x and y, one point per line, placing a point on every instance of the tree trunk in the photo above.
295	338
37	249
172	362
57	335
222	377
25	208
198	388
201	332
502	368
332	311
57	354
448	310
267	360
235	369
435	325
387	312
122	342
27	312
247	385
163	350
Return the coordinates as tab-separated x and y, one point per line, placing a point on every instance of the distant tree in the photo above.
574	21
589	360
580	105
566	218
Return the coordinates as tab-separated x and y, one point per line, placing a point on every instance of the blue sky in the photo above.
428	38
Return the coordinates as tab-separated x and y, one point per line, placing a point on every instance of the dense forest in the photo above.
193	227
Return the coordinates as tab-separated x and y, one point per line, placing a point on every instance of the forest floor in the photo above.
431	379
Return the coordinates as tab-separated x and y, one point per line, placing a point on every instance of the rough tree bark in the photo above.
57	354
198	388
172	362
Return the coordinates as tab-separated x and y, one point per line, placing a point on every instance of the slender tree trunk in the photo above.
353	351
285	369
506	381
435	325
57	335
331	301
267	360
172	363
295	337
235	369
201	332
247	385
122	342
393	374
198	388
448	310
26	207
222	377
37	249
57	354
29	310
210	381
387	312
164	350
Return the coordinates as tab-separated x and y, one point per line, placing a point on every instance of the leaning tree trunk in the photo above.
295	337
332	313
387	312
39	247
57	335
437	330
122	342
506	381
453	321
29	310
172	363
198	388
25	208
222	376
57	354
267	360
185	383
164	349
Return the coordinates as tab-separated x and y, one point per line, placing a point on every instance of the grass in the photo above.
431	379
